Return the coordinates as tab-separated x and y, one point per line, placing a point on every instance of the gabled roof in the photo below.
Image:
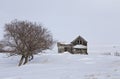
79	37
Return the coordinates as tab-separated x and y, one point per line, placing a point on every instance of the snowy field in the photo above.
61	66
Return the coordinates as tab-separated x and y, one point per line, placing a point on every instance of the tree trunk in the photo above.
26	60
21	61
31	57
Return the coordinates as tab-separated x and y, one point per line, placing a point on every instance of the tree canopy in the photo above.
26	39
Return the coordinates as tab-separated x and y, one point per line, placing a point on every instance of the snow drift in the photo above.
61	66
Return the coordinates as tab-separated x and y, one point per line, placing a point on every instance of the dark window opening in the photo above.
65	49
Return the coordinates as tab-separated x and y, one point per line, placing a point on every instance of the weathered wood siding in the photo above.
70	47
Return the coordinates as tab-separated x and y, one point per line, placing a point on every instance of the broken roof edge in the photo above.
63	44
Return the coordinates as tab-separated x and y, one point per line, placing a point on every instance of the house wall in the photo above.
64	47
80	51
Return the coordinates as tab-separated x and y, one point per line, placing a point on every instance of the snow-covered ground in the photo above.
61	66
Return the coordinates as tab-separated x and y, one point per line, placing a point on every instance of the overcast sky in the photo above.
98	21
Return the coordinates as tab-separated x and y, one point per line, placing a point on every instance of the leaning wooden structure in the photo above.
77	46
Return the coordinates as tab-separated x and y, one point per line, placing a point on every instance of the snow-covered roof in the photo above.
63	43
80	46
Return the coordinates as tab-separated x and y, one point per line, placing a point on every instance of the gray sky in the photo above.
98	21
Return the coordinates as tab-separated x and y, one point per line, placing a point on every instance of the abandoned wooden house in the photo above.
77	46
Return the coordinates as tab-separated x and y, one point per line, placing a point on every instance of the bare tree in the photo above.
26	39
